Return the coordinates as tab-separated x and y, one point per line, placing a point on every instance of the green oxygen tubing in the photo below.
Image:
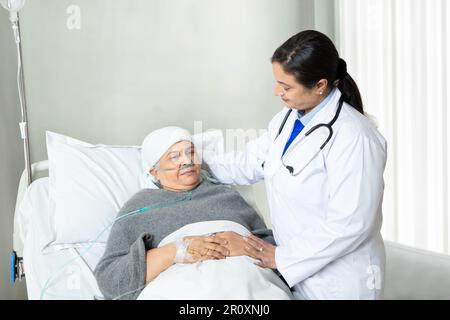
186	197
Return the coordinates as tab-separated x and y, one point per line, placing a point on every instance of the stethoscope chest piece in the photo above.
329	126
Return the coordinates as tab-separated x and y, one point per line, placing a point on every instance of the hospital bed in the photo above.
53	274
410	273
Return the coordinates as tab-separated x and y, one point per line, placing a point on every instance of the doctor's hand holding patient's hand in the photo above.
261	250
235	243
201	248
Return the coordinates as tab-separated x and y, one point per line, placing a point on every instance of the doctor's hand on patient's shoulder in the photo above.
201	248
261	250
235	244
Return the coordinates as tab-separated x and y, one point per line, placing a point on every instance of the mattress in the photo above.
64	274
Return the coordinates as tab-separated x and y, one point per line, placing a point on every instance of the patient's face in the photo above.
173	173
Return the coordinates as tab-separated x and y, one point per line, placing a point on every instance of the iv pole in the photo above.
13	6
23	103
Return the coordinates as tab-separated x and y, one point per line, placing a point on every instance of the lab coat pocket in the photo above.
320	288
308	187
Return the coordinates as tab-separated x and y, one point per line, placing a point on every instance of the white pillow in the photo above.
88	184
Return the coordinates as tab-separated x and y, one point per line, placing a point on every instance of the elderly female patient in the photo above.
134	256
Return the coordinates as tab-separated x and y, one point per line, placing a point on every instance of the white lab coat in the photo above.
327	219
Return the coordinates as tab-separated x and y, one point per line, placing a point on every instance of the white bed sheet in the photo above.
233	278
51	275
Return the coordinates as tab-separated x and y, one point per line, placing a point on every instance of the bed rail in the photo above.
16	263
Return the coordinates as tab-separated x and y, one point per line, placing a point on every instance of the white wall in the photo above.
11	157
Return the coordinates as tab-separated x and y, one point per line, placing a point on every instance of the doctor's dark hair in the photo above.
311	56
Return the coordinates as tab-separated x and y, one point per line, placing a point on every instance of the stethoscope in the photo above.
328	125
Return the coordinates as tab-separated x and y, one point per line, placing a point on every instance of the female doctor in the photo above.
322	161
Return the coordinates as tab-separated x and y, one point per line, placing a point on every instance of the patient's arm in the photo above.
158	260
200	248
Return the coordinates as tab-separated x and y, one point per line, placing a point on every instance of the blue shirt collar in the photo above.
305	118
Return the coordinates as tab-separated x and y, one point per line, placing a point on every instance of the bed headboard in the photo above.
38	169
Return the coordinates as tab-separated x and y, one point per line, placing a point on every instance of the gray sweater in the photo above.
121	271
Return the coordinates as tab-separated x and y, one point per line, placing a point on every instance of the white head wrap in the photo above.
158	142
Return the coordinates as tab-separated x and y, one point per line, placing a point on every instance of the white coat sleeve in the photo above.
244	167
355	191
241	167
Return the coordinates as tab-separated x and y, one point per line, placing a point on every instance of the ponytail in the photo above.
348	87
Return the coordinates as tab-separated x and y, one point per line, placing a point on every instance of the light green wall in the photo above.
325	18
138	65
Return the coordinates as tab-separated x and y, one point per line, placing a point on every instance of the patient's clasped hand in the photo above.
193	249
